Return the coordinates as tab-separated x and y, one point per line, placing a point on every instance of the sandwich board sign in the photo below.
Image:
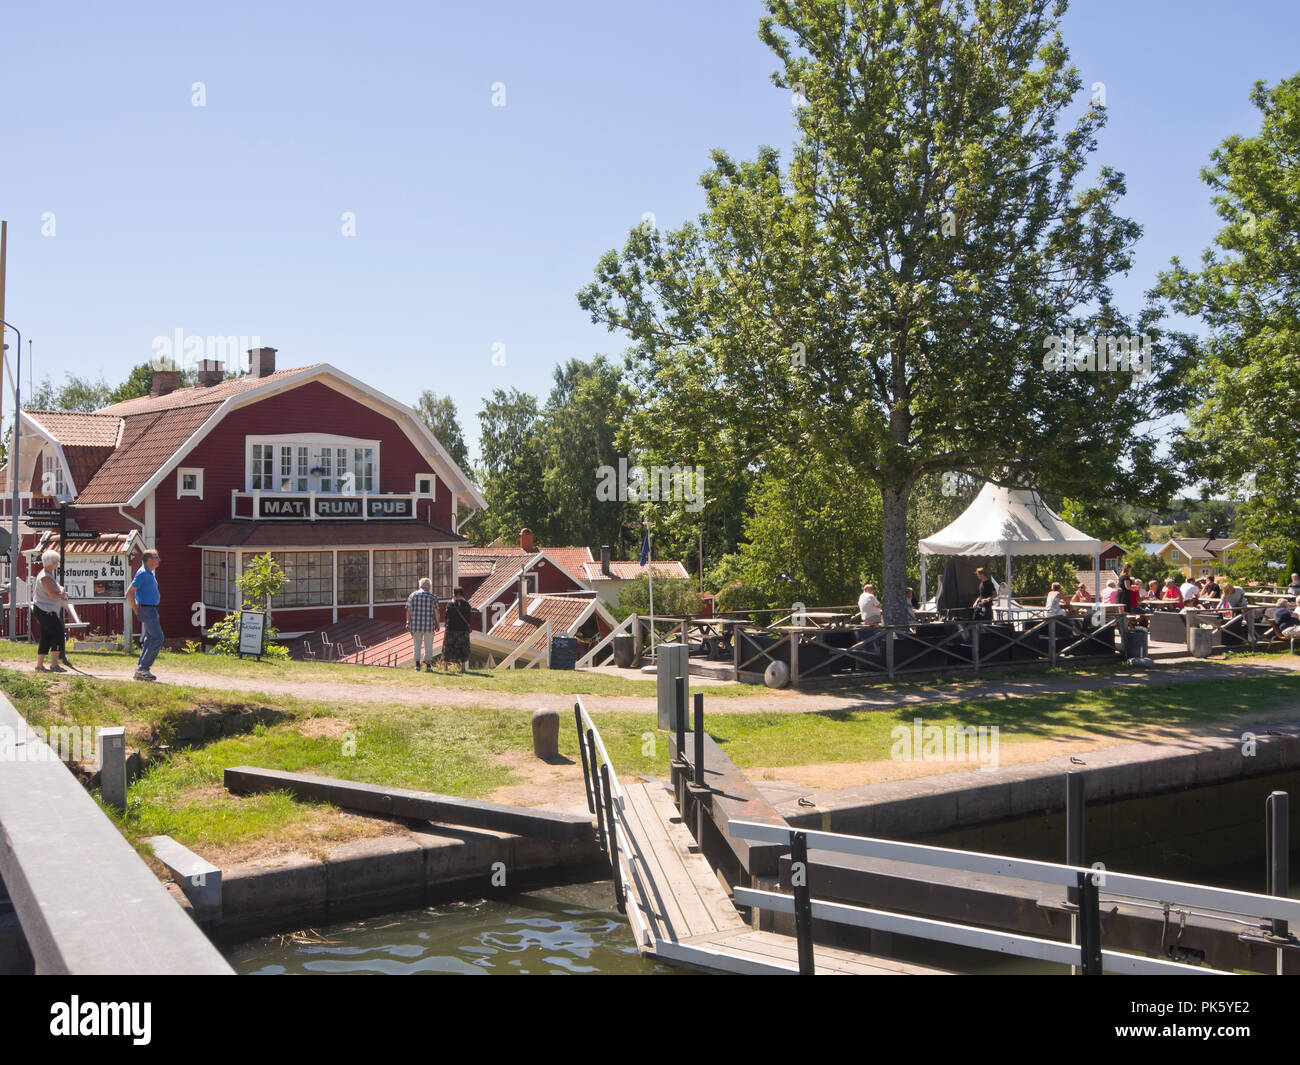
252	623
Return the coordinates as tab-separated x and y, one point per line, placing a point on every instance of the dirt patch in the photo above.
557	785
315	837
323	829
330	728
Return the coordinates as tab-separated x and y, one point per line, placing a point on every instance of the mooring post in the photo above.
613	839
582	750
699	739
802	901
1277	831
679	765
112	766
1089	925
600	809
1074	822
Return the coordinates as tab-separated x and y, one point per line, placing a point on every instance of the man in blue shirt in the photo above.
143	597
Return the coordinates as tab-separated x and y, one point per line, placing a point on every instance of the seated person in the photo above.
1153	591
911	605
869	606
1054	609
1111	594
1172	593
1081	595
1285	619
1294	588
1190	591
1233	600
1211	589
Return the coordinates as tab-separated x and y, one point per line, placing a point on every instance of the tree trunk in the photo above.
893	528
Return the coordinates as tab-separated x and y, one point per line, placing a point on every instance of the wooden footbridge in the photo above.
681	912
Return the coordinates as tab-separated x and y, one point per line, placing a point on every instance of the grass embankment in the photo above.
516	681
466	751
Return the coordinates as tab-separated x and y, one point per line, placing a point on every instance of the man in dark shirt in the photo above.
982	608
1284	617
1294	588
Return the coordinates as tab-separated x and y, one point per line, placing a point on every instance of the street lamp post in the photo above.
13	486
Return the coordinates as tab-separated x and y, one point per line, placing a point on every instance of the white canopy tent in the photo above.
1010	521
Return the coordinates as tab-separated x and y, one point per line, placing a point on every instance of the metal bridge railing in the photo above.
1089	884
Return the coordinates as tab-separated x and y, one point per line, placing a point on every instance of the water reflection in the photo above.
556	931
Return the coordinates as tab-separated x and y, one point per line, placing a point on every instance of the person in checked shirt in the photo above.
422	621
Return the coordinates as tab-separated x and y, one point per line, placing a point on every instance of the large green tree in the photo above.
1245	371
439	414
883	306
583	416
510	450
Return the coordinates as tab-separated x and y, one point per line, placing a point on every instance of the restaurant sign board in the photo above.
312	508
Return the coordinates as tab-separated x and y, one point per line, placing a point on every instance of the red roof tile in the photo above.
323	535
107	544
562	611
148	441
198	395
630	571
91	429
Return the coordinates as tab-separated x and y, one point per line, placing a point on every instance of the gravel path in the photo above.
1173	672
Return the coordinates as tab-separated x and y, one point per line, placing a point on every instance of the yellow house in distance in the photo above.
1202	558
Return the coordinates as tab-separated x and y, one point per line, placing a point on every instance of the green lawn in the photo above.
457	750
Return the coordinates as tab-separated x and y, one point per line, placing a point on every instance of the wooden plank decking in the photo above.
686	915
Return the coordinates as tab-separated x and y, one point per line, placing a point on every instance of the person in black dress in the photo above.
982	608
455	640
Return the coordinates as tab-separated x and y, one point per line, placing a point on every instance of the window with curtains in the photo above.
309	578
313	463
398	573
442	572
354	577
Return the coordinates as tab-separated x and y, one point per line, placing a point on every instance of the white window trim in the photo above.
308	439
52	461
181	490
432	493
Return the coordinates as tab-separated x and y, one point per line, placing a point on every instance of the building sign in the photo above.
89	577
311	508
251	625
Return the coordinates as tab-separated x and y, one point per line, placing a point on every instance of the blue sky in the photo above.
475	224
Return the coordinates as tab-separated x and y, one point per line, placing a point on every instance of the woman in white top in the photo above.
1054	608
47	611
1234	599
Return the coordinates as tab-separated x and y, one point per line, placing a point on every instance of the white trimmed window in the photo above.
398	573
312	462
52	479
309	578
441	574
189	482
219	579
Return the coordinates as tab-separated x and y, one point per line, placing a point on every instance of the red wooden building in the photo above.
344	486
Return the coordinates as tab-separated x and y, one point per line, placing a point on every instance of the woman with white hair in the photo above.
47	612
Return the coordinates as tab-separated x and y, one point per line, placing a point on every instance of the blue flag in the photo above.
645	548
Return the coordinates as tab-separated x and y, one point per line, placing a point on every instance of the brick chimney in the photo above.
604	559
261	362
211	372
165	381
526	541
